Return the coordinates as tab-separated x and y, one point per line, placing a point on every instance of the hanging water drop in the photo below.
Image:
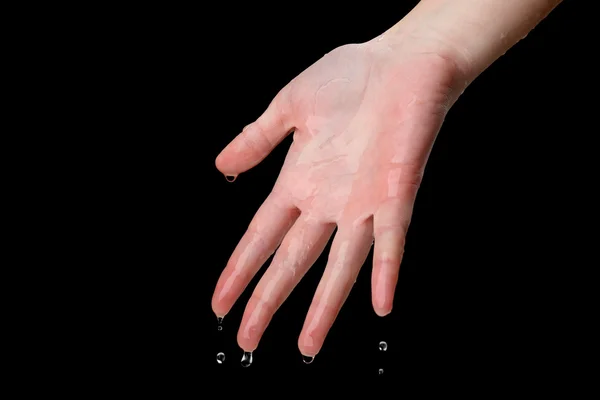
307	359
382	346
219	323
247	359
230	178
220	358
380	371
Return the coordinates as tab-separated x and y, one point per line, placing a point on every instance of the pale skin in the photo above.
364	119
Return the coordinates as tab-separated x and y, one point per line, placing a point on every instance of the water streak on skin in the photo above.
237	270
337	270
361	136
253	250
356	146
253	321
292	255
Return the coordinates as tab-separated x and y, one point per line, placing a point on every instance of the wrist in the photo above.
471	34
435	55
405	38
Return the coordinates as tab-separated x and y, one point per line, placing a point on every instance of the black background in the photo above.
476	298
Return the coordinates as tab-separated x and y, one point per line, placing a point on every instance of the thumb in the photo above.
258	139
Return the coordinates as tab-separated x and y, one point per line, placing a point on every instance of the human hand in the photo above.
364	119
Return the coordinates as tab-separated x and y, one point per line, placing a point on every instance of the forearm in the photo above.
473	33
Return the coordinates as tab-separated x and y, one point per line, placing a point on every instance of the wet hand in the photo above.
364	119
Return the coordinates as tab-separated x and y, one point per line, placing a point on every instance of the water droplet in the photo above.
219	323
219	328
307	359
220	358
247	359
382	346
380	371
230	178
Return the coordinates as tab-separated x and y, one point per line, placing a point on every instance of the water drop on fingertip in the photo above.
307	359
220	358
247	359
230	178
383	346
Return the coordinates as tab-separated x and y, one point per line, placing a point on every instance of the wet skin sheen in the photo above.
364	119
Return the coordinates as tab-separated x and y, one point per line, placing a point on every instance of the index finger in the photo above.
268	227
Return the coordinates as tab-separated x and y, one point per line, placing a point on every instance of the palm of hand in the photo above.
364	121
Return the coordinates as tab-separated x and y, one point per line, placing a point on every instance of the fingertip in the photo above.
246	343
382	311
382	303
221	164
383	285
308	353
232	157
255	320
218	309
219	303
219	316
308	346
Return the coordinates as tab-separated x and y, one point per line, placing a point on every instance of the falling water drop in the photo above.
219	328
380	371
219	323
247	359
307	359
220	358
382	346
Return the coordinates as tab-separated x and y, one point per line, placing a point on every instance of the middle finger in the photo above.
299	250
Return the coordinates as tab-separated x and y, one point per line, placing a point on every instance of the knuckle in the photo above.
389	260
254	139
398	227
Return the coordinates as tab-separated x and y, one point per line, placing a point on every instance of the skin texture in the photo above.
364	119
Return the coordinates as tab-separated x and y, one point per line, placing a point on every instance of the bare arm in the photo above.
364	119
473	33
